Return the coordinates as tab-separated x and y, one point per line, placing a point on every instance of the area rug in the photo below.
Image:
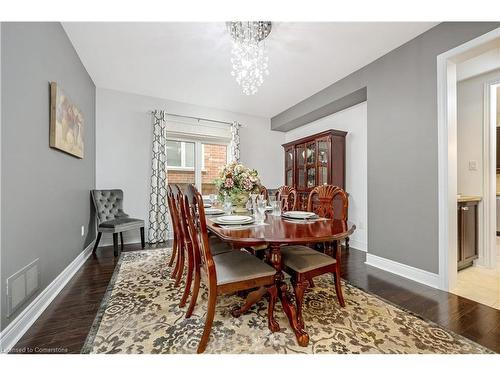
140	314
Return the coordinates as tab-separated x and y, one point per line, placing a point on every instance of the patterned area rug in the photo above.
140	314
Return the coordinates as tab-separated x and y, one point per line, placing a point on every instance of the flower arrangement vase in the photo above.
239	201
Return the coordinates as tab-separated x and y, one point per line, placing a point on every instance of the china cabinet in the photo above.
315	160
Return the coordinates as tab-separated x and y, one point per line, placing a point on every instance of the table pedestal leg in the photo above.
288	307
252	298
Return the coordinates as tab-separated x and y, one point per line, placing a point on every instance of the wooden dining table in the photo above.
274	233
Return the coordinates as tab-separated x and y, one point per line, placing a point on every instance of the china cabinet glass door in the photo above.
324	146
310	165
289	161
301	163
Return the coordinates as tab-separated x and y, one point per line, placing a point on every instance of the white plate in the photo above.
298	214
213	211
207	205
216	220
234	219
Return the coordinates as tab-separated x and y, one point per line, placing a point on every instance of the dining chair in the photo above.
287	196
263	191
321	201
303	263
178	253
182	242
217	246
111	218
225	273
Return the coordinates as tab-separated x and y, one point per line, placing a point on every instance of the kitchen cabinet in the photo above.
467	249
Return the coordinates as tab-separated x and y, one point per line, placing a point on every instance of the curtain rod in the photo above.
198	118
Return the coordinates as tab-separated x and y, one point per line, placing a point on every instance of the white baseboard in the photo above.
358	245
18	327
412	273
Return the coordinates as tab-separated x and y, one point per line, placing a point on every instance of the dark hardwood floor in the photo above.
64	325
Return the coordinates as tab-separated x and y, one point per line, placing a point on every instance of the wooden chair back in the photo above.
322	201
197	223
287	196
173	207
184	224
263	191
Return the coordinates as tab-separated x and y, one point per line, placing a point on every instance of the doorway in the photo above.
448	140
478	277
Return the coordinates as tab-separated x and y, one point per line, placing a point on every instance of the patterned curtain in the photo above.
158	207
235	141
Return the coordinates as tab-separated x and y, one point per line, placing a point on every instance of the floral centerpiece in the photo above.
237	182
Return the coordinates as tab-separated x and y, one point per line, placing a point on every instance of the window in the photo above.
184	157
214	157
180	154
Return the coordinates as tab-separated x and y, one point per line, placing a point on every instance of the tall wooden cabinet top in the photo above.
316	160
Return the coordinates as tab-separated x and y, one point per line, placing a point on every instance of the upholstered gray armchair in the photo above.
112	219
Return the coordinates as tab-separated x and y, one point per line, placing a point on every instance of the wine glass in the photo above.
253	203
261	209
227	206
212	198
275	208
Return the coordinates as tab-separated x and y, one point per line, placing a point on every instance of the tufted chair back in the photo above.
108	204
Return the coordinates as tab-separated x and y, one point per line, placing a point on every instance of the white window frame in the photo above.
199	143
182	167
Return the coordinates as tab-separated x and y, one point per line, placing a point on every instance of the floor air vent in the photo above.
22	285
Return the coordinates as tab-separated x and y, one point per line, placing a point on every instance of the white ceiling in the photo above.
189	62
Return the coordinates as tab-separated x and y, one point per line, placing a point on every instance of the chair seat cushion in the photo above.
120	225
218	246
240	266
304	259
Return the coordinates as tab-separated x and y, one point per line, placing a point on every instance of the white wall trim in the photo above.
358	245
18	327
2	279
409	272
487	237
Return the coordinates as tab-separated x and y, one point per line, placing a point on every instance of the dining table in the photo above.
275	232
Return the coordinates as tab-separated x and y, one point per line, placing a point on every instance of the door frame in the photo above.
447	153
487	247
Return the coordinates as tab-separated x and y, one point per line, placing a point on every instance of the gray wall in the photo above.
402	141
45	193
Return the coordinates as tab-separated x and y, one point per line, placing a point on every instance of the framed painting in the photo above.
66	123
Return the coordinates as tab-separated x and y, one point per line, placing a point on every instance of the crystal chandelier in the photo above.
249	55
